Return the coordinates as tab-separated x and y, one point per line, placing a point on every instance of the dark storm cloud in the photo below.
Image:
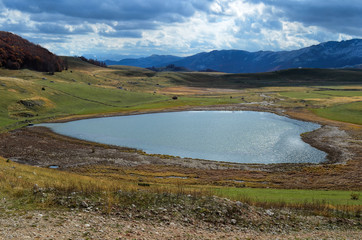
115	18
55	28
158	10
335	16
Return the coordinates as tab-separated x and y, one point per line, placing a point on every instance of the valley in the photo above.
101	179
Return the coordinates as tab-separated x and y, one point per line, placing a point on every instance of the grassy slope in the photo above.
335	103
83	89
69	92
284	78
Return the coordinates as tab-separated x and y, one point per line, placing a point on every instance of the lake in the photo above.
231	136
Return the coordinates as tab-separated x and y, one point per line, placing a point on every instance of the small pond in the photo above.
231	136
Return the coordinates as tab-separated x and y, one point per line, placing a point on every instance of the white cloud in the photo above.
172	27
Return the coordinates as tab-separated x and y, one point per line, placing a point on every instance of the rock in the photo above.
84	204
233	221
162	209
35	188
269	212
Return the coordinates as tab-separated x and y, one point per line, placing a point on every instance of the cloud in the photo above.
122	34
158	10
333	15
44	39
179	27
61	29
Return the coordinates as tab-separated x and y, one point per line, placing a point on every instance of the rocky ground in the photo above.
90	225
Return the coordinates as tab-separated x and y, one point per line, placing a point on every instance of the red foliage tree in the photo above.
17	52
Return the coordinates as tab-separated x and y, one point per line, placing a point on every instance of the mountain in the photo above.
110	56
151	61
325	55
16	53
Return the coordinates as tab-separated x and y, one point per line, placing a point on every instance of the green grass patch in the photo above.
349	112
321	94
288	196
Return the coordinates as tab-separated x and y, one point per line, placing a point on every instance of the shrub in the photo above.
354	196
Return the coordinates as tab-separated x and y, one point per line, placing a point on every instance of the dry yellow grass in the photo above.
181	90
336	100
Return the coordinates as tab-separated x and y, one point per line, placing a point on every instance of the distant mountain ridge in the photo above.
151	61
325	55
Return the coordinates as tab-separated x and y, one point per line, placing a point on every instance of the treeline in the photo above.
94	62
169	68
17	53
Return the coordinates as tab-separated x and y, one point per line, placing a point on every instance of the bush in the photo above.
354	196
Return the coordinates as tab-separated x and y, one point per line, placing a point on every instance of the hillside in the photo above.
18	53
325	55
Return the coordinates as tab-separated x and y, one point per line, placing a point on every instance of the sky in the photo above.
111	28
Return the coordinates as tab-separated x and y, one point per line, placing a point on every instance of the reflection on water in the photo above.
233	136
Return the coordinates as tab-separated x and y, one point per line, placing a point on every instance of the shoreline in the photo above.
39	146
336	154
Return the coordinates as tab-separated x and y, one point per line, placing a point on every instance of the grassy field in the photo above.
317	94
349	112
336	103
289	196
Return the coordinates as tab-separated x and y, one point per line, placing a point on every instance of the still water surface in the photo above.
233	136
